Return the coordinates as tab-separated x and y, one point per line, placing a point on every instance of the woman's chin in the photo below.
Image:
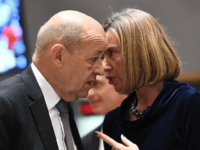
118	88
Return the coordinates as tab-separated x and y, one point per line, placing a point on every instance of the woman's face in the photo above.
113	62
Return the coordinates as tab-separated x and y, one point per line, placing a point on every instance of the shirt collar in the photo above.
50	96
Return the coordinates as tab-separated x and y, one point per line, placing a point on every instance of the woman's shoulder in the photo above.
190	94
191	97
112	116
180	91
189	102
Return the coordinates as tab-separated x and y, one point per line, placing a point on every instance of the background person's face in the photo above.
113	62
103	97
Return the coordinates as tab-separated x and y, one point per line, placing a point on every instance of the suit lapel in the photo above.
74	129
39	110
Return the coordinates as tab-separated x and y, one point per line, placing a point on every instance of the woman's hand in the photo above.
115	145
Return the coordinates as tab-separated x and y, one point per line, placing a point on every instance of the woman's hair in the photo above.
147	51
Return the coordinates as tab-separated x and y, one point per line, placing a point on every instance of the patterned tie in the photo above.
63	109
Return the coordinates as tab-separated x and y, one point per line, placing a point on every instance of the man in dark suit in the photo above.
102	98
66	61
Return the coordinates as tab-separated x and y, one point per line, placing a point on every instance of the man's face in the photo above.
83	64
103	97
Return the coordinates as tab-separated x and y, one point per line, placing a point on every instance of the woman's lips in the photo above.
111	79
111	82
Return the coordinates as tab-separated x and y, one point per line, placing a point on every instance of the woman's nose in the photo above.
106	64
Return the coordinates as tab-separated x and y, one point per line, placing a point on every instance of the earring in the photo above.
106	73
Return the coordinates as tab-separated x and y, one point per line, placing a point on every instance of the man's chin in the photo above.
82	94
77	97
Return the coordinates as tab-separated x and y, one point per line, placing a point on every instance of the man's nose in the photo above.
99	70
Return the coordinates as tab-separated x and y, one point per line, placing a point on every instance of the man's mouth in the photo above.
90	82
111	79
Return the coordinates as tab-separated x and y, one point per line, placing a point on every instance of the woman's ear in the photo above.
57	52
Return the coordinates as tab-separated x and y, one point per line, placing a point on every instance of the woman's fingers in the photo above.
106	138
116	145
128	143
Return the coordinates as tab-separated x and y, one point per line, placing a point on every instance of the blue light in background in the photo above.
21	62
12	47
19	48
5	13
17	30
3	43
12	4
7	58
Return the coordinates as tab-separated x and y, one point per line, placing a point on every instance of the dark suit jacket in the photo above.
24	119
90	141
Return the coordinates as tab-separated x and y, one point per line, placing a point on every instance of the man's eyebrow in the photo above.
109	49
100	51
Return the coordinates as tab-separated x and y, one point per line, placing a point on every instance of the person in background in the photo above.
34	109
159	113
102	98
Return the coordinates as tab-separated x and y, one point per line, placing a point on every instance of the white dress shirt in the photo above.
101	146
51	99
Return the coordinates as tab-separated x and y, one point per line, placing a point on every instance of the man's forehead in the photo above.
100	51
95	33
105	45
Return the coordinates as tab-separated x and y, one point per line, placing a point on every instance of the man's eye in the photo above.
110	53
95	58
102	57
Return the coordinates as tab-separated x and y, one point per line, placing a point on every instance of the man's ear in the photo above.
57	52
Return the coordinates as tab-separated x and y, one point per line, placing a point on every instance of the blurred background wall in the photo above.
181	19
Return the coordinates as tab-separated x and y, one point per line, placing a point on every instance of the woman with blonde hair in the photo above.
159	113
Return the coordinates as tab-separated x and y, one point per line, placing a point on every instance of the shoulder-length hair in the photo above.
147	51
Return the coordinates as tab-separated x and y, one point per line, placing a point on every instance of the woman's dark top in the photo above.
171	123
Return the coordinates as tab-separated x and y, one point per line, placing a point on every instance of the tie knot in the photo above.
62	106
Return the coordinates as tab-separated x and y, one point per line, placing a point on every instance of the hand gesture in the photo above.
115	145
